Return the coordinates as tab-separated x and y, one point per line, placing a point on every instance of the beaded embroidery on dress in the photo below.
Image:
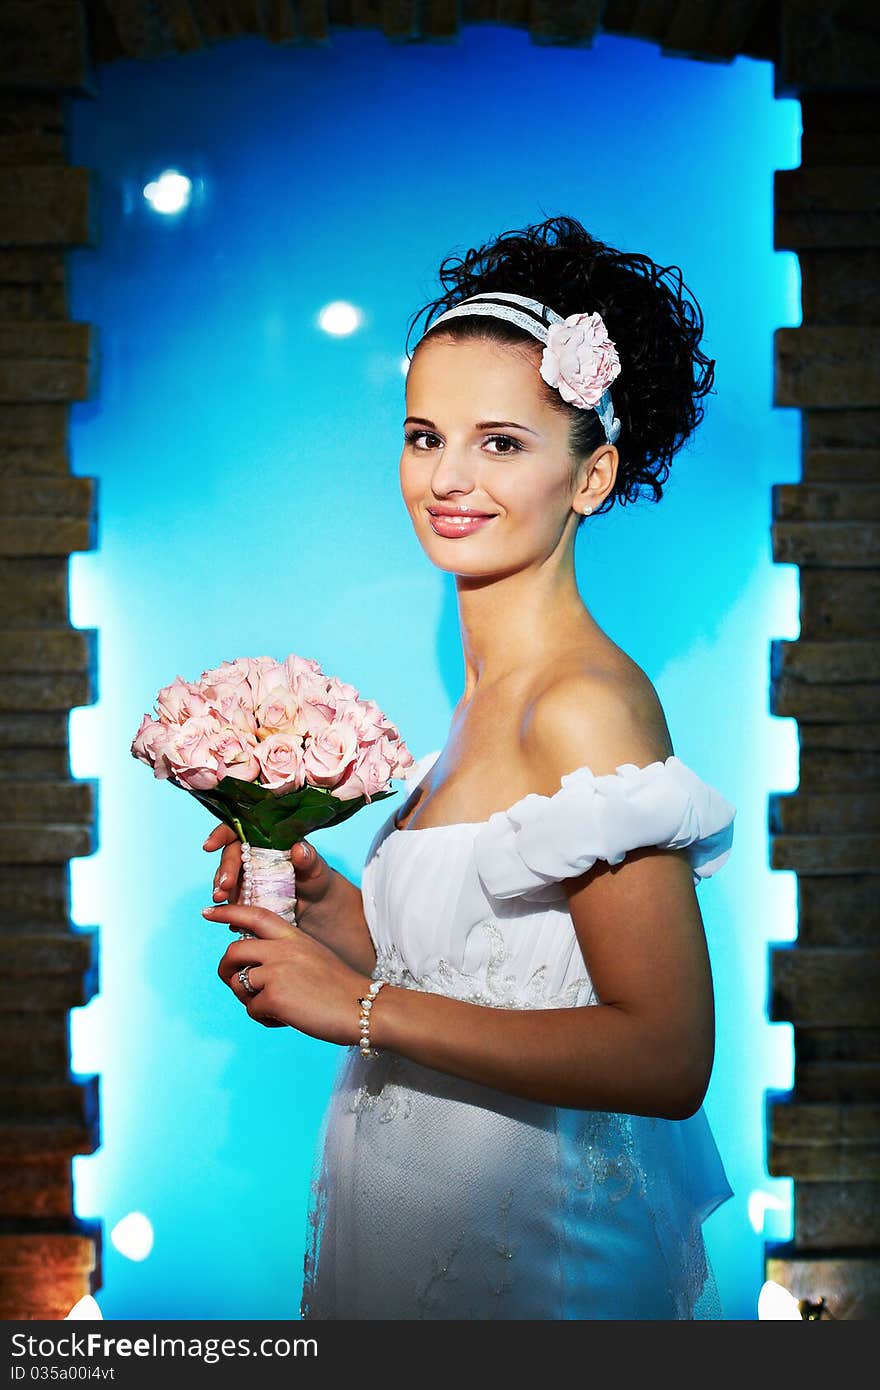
437	1197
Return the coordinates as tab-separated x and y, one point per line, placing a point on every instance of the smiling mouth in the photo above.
452	526
460	515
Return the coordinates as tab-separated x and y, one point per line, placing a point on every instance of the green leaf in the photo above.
270	821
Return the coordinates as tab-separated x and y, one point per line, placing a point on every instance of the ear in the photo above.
600	472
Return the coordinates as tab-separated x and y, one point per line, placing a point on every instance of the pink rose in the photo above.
189	754
143	744
235	752
368	776
301	667
580	359
279	711
233	702
179	701
281	761
234	673
330	754
264	674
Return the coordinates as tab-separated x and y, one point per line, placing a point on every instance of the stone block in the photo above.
41	425
30	728
32	127
812	1142
72	800
837	603
833	501
48	205
826	544
826	207
825	987
838	770
37	895
34	590
826	854
838	910
42	842
826	45
36	1188
824	429
34	1045
841	285
50	690
833	365
48	649
837	1081
44	46
832	704
830	1215
44	1273
849	1283
823	662
824	813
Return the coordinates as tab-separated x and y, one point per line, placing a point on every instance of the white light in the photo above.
133	1236
85	1308
404	366
340	318
760	1202
170	192
776	1304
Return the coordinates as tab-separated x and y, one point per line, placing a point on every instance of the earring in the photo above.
587	511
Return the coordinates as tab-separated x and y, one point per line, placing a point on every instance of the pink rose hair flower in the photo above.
579	359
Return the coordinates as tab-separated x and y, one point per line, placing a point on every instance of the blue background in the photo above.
249	505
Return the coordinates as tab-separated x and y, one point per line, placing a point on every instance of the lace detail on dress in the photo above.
500	990
607	1151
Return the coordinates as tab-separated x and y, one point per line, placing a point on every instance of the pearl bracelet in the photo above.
366	1005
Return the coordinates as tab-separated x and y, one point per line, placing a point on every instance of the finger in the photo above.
259	920
220	835
238	954
228	870
256	975
310	868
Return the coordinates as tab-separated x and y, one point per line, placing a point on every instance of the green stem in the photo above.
239	830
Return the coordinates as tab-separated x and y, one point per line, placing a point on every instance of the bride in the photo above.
521	985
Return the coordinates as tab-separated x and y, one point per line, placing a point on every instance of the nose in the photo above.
452	472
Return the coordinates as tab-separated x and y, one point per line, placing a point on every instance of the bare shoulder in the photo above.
597	719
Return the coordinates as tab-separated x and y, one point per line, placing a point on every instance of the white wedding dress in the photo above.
437	1197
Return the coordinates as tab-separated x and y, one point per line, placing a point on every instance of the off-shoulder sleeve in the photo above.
526	850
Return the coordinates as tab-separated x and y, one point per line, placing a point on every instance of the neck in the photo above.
517	623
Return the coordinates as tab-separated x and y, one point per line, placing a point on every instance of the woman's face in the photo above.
479	436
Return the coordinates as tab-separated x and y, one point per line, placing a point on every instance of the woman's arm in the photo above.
648	1047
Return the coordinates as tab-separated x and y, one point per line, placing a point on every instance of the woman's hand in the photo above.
313	874
300	982
329	907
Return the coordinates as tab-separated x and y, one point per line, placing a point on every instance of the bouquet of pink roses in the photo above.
276	749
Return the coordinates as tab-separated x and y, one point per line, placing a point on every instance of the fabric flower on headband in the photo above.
579	359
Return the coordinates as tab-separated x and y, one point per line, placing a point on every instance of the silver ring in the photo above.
244	935
246	984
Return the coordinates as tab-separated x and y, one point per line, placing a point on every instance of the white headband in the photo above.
579	358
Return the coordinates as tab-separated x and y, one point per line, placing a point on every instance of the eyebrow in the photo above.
481	424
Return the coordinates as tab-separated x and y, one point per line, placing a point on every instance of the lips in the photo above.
456	511
452	526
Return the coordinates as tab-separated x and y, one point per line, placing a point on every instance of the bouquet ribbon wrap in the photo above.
268	880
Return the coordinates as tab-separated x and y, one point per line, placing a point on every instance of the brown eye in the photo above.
413	435
505	439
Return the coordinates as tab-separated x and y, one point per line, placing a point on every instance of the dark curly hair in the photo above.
653	324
